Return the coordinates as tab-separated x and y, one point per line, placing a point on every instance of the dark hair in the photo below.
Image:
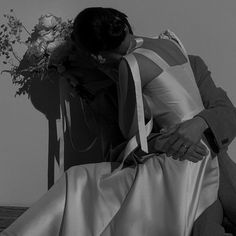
99	29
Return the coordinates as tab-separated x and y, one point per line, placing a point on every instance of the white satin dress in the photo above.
161	196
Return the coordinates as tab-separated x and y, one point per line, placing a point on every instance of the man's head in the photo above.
101	30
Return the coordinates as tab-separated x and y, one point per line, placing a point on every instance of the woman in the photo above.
154	194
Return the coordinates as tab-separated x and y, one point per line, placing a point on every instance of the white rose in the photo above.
37	48
42	47
55	44
48	36
48	22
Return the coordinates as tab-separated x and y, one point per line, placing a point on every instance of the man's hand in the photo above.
183	140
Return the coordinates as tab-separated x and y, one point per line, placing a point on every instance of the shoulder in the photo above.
199	66
197	61
167	49
148	70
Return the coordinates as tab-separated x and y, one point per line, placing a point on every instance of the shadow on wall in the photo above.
44	95
76	147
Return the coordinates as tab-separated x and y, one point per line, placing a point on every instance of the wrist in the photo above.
202	122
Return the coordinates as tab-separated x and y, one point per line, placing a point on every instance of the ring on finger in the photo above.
186	147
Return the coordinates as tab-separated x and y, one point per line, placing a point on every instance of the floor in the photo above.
9	214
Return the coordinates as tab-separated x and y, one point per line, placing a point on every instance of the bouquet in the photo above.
49	38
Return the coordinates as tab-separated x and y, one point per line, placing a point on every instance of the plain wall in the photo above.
206	27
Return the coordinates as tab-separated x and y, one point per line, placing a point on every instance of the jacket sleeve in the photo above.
219	112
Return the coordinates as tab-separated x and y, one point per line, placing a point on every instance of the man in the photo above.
216	123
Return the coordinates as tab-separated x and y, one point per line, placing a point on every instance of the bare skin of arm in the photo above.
128	121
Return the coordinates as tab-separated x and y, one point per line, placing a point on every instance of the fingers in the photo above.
174	148
169	144
183	149
201	148
159	143
193	154
166	132
201	151
192	159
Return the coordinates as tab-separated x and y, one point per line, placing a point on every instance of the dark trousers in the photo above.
209	223
227	189
220	217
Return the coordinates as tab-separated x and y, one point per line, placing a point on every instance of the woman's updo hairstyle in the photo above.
100	29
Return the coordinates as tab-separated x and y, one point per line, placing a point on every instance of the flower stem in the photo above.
26	29
22	24
15	55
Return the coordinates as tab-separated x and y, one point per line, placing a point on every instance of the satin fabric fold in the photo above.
82	202
159	205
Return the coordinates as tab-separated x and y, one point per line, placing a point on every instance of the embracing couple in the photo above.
167	172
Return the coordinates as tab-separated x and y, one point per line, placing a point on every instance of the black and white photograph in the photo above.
118	118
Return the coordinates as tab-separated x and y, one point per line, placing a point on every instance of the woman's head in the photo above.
100	29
